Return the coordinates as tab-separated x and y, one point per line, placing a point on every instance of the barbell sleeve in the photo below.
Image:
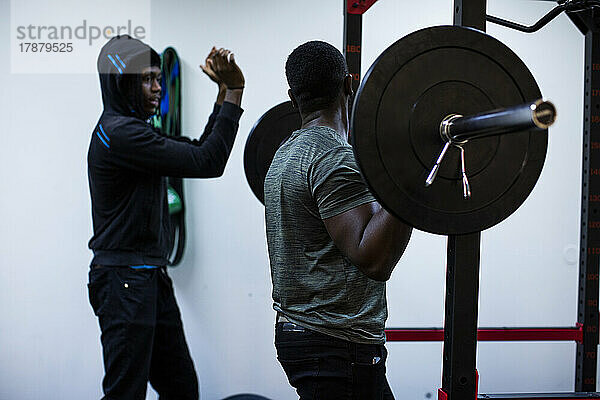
539	114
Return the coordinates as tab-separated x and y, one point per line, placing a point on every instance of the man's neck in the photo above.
331	118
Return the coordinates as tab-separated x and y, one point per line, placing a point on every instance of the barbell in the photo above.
448	127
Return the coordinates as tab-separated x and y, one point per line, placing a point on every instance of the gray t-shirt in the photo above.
314	176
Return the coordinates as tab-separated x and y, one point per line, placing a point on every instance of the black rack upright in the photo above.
588	22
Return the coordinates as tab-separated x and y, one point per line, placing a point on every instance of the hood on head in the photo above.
120	63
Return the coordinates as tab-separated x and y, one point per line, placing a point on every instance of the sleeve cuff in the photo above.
231	111
347	207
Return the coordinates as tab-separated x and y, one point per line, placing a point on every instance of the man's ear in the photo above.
348	85
292	98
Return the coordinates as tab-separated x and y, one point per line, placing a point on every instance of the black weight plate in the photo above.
407	92
269	132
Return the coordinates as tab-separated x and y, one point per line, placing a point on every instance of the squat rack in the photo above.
460	333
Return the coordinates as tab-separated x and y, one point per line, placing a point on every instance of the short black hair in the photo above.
315	72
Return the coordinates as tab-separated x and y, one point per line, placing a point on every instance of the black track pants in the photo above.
142	334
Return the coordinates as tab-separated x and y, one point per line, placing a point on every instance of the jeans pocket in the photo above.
99	290
368	380
302	374
135	290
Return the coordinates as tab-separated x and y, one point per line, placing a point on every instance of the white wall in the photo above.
49	338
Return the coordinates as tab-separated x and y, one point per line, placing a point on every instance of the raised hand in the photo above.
222	63
207	68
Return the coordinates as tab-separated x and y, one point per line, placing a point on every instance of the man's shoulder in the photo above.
306	147
319	140
120	126
323	135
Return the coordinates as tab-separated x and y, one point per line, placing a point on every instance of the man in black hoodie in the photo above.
129	289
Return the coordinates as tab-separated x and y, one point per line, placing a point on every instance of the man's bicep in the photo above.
342	198
346	229
144	150
336	184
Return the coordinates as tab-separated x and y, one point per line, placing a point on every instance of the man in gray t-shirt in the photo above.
313	177
331	245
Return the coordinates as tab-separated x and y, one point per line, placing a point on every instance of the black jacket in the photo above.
128	160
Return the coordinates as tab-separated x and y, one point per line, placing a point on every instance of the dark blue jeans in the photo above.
142	334
322	367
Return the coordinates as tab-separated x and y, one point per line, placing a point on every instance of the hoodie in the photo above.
128	161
